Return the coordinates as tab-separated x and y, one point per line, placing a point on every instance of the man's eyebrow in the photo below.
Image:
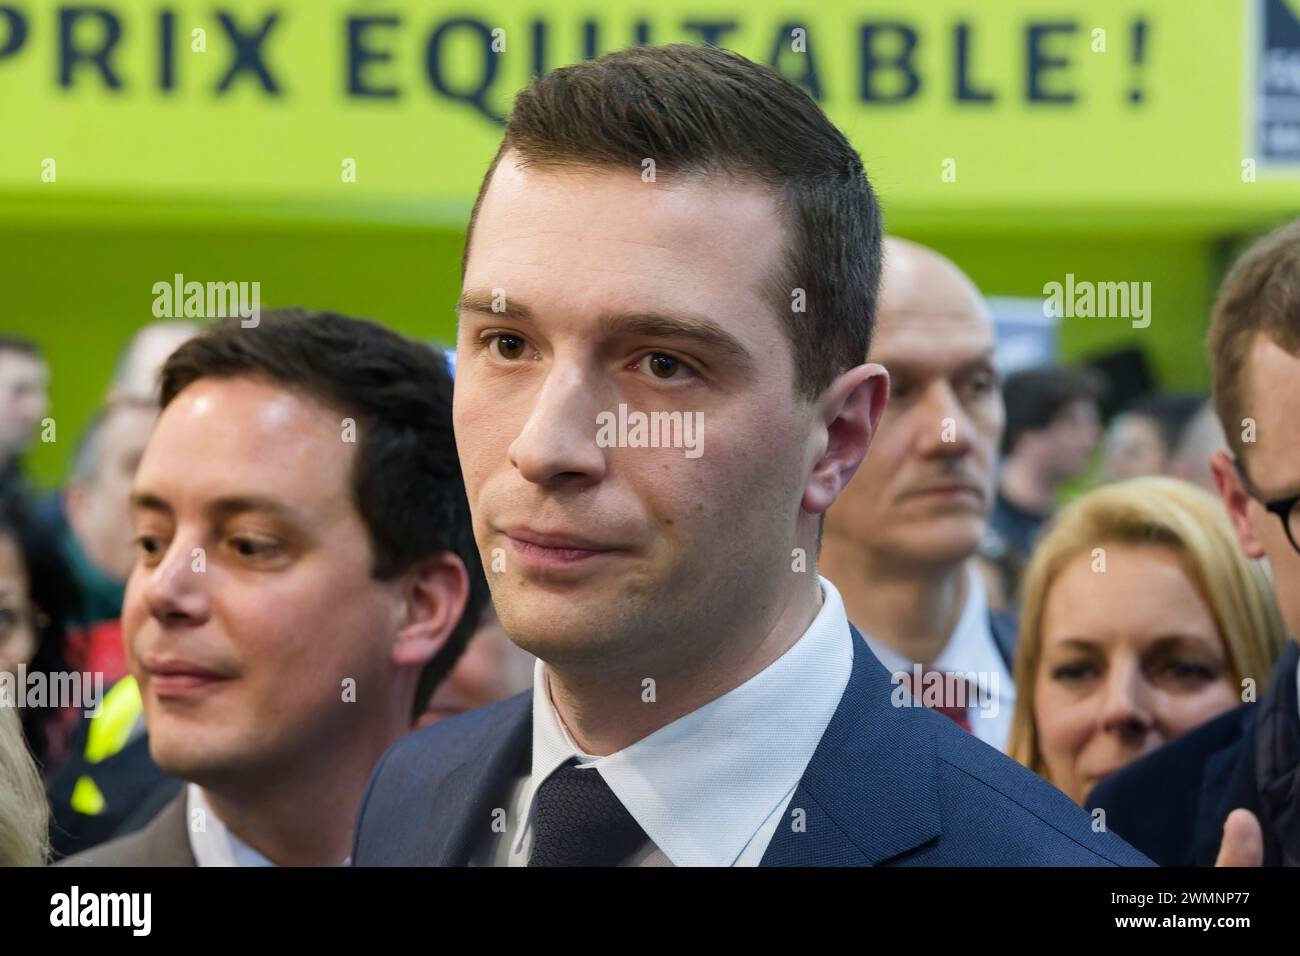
478	300
694	328
220	508
664	325
148	501
242	504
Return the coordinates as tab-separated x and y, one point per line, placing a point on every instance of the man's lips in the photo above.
947	488
171	677
554	548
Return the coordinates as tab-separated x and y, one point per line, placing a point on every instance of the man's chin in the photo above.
197	758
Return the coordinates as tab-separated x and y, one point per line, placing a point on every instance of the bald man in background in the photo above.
900	541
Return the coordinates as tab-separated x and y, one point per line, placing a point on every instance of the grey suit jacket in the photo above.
164	841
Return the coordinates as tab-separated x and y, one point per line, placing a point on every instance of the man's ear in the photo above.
436	591
851	408
1236	502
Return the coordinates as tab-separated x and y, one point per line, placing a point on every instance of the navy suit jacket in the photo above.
886	784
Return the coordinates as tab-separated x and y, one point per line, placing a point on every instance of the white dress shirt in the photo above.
211	842
971	648
710	788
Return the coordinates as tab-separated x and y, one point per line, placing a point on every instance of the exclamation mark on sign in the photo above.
1139	58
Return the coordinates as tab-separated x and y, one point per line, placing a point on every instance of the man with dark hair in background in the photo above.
1053	425
1229	792
678	232
306	577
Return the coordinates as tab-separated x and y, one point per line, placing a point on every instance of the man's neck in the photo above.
606	712
302	816
1027	486
911	609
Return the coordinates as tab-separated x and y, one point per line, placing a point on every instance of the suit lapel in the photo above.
166	841
871	790
463	801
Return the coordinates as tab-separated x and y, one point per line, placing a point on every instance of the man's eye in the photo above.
148	545
252	547
508	347
665	367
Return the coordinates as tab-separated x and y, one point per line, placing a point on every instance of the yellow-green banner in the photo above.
1155	111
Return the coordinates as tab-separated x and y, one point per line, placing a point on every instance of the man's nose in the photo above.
175	592
558	441
945	426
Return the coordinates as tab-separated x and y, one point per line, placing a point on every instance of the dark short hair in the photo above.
406	478
1035	396
705	111
1260	296
20	344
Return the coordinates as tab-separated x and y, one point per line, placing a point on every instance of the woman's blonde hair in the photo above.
24	814
1163	512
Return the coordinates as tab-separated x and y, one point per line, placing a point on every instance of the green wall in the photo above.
81	292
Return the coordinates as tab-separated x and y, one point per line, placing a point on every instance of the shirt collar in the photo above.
211	842
971	647
703	786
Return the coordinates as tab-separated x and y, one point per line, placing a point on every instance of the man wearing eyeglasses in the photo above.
1229	792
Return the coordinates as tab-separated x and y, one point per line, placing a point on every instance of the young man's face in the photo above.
613	291
251	600
1272	460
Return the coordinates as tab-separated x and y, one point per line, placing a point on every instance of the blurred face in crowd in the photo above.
1131	659
1070	439
1272	462
925	490
17	631
1133	448
655	297
24	399
252	600
137	378
99	509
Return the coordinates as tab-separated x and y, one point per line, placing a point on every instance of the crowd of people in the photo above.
346	610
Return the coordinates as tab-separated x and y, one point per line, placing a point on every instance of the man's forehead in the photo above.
933	338
603	211
231	431
14	363
1270	394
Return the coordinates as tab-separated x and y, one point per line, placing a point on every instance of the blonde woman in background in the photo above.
24	817
1141	620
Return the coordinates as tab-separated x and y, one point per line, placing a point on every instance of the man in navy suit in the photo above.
669	286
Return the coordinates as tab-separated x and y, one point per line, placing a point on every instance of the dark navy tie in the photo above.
580	822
